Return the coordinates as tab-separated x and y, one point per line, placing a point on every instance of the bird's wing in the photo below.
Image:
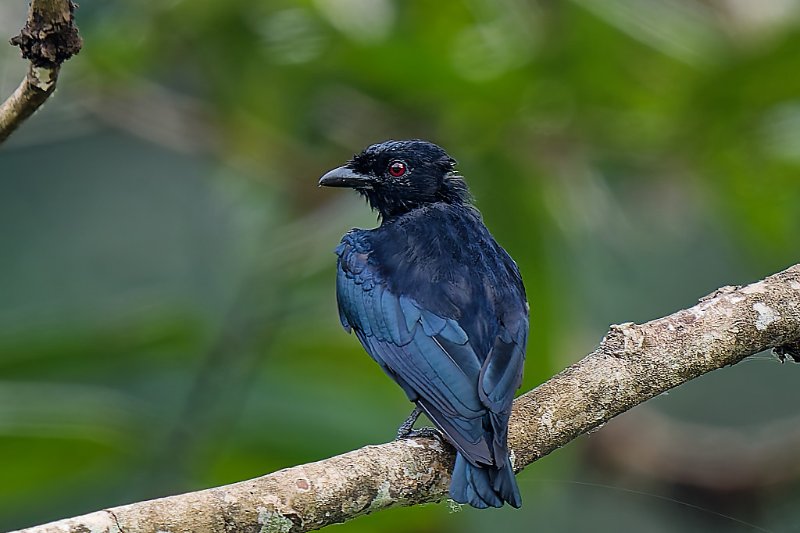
430	356
501	374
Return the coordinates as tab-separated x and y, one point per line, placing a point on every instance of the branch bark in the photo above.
632	364
49	38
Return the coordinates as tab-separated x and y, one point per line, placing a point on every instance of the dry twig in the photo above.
49	38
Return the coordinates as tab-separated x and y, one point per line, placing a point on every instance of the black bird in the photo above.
439	305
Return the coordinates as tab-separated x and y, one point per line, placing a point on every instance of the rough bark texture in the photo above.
632	364
49	38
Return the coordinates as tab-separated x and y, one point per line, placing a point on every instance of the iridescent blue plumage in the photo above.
440	306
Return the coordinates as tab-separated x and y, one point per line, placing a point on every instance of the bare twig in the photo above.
632	364
49	38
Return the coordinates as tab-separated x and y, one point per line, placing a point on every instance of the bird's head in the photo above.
398	176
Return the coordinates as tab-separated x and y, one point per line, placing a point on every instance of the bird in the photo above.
439	305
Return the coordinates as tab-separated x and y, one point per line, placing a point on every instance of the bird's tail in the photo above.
484	486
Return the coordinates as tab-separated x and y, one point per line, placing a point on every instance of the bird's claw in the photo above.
426	432
407	431
791	349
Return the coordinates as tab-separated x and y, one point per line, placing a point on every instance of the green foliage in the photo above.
167	313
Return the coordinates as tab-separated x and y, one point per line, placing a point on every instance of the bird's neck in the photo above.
452	191
389	207
427	218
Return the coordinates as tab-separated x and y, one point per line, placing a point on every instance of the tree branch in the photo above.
632	364
49	38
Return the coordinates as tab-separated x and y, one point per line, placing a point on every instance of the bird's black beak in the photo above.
344	177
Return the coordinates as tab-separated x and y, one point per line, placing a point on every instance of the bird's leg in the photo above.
791	349
405	430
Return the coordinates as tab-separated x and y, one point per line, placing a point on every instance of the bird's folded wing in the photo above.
501	373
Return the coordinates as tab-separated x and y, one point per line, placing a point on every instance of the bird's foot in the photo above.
791	349
407	431
424	433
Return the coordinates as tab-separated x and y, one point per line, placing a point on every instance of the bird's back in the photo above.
443	257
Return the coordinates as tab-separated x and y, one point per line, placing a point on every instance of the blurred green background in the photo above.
167	308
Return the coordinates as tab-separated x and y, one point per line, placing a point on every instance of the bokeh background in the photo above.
167	308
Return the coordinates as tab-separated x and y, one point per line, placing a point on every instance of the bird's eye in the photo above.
397	168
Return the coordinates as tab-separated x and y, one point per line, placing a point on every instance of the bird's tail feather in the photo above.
484	487
505	484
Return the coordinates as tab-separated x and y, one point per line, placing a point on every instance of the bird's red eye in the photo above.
397	168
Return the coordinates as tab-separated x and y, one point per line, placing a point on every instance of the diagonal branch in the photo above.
632	364
49	38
